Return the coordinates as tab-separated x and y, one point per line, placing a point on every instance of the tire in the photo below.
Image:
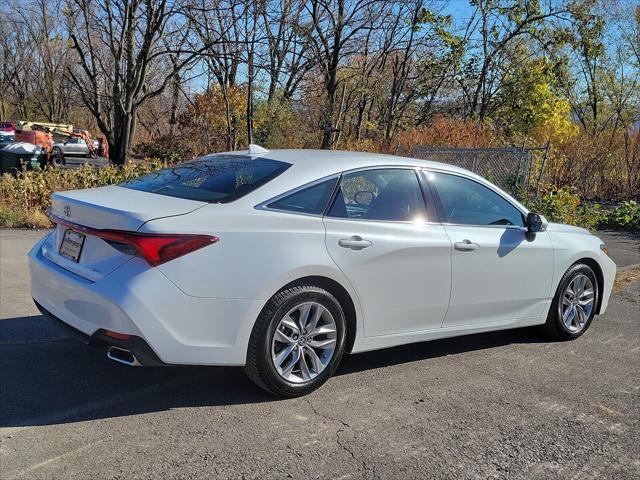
578	322
57	159
269	359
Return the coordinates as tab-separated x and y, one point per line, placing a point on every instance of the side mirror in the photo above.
536	223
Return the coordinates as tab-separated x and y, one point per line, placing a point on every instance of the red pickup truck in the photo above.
7	131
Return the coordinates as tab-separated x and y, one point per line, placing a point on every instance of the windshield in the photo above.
214	179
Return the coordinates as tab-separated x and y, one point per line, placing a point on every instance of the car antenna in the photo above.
257	150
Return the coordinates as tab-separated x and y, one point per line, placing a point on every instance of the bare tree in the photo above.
334	28
16	88
217	24
286	48
128	52
50	59
251	40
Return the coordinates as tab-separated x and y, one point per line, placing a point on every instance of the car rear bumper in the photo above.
139	301
137	346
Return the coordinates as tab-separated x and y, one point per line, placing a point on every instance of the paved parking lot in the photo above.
508	404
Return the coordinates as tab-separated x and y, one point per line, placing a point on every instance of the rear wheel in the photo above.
57	159
574	304
297	341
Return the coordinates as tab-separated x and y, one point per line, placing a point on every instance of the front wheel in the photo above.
574	304
297	341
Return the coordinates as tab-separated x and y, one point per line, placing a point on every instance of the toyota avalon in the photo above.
281	261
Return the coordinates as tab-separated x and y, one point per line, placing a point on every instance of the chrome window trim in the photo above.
405	222
265	205
503	227
459	174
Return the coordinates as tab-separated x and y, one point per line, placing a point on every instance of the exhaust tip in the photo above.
122	355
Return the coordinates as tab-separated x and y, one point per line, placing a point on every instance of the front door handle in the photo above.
466	246
356	242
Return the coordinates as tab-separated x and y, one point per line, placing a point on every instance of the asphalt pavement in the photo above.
502	405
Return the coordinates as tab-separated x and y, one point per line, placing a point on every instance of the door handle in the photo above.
466	246
356	242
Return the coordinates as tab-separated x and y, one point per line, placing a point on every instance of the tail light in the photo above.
155	248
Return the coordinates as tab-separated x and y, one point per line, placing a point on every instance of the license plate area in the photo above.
71	245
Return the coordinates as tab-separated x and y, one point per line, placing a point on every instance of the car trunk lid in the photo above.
117	208
104	208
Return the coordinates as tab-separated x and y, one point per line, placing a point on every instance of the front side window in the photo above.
310	200
466	202
214	179
392	194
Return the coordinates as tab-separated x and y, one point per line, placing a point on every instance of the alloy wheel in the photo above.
577	303
304	342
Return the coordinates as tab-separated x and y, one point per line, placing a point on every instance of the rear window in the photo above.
214	179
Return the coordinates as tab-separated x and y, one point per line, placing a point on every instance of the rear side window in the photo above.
310	200
393	195
214	179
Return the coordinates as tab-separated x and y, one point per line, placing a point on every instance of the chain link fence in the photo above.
517	170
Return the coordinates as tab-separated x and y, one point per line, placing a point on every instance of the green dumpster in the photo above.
16	156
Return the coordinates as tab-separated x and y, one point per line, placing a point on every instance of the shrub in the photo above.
451	132
12	218
564	205
604	167
166	148
626	216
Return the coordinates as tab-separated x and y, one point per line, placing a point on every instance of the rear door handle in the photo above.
356	242
466	246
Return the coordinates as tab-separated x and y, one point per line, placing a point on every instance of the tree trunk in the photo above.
250	75
228	118
124	129
362	105
175	96
327	121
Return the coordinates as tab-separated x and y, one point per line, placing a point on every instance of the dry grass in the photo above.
33	218
625	277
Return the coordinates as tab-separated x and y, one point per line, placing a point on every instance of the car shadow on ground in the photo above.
48	378
439	348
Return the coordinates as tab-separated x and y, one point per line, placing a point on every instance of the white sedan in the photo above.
283	260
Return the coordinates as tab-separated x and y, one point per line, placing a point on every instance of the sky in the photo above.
460	10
